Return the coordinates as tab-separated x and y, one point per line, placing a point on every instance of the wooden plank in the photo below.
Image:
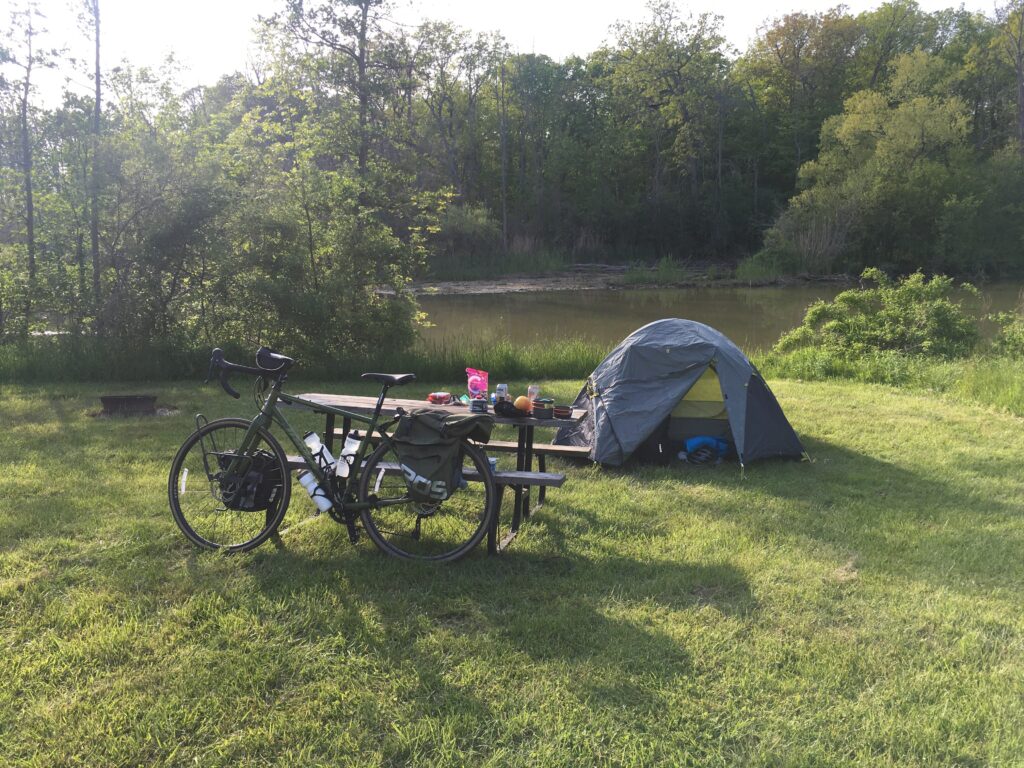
361	404
511	446
566	451
547	479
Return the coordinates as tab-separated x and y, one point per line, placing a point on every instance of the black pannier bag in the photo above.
657	449
258	488
428	444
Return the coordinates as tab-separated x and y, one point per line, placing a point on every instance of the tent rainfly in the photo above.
686	372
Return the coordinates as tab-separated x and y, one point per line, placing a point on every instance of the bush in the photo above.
911	316
1009	340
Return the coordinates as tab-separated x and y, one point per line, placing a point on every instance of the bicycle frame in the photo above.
270	414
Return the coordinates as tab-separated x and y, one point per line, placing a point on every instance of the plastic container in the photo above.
533	392
308	481
319	450
348	454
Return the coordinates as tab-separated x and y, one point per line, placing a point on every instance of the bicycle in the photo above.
230	482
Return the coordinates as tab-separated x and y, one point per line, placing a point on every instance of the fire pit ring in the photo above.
128	405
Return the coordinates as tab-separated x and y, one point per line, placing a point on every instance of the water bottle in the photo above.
319	450
308	481
348	454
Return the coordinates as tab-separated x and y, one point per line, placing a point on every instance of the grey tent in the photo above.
690	374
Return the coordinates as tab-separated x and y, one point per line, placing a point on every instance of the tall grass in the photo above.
990	380
66	359
760	268
667	271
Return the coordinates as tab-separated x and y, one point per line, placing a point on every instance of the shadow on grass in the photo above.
613	617
922	524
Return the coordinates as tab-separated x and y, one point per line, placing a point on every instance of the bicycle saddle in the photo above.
272	361
390	379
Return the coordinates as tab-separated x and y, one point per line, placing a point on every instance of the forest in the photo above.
355	155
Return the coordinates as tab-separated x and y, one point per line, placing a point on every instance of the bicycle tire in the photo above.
198	507
456	525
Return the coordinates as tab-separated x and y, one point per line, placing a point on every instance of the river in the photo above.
754	318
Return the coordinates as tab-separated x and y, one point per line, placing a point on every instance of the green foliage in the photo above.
666	272
899	182
762	266
1009	339
913	315
294	207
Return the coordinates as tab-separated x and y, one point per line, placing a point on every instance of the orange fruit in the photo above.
523	403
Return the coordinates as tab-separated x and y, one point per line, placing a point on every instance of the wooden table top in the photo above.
362	404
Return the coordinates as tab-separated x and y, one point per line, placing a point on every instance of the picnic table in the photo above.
521	481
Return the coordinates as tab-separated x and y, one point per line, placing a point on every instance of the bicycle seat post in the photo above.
380	403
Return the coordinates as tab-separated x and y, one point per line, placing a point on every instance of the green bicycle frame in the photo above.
270	414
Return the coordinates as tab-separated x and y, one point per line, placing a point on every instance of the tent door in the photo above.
701	411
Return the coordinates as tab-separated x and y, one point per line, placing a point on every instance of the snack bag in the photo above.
476	383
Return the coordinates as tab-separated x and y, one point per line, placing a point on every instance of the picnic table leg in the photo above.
541	468
529	468
329	434
517	505
495	527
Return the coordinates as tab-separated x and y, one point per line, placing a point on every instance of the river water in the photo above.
754	318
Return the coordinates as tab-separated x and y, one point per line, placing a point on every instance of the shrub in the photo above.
1009	340
914	315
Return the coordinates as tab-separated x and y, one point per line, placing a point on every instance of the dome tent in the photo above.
647	379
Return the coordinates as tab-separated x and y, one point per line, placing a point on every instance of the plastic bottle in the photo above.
319	450
308	481
348	454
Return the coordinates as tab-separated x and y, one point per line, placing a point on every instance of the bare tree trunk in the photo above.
504	163
80	263
311	245
26	165
94	214
363	87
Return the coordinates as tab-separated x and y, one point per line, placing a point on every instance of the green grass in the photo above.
864	609
986	380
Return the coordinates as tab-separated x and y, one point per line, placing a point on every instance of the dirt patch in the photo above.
595	277
558	281
846	572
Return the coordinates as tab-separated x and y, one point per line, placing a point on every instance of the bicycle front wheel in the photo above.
227	495
440	531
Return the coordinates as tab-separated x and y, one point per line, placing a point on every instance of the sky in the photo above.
210	38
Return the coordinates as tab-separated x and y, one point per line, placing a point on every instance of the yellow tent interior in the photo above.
701	411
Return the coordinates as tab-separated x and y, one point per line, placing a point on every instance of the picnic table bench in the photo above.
521	480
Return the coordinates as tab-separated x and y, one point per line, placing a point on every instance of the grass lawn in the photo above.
863	609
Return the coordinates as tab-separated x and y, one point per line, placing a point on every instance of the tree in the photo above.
24	29
1011	19
92	8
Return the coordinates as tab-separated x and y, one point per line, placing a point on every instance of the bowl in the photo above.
562	411
542	411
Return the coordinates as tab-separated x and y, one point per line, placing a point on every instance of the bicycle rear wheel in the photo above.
223	497
443	531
